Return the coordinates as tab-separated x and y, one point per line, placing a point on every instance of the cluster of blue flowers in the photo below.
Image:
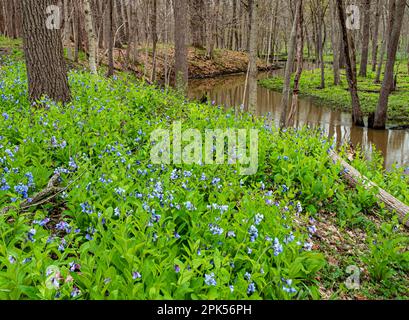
210	279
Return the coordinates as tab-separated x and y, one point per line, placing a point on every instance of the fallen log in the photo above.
354	177
50	191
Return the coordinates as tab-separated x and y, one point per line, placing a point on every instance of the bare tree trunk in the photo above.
335	43
397	11
386	29
110	38
92	39
375	36
300	52
181	63
320	22
67	29
365	38
289	69
44	54
154	38
357	117
253	9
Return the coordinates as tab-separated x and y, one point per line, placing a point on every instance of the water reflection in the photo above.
229	91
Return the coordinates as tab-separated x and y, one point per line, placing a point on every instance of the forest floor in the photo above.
223	62
127	229
338	97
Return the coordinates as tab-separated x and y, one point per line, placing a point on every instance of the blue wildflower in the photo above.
251	288
215	229
86	208
258	219
31	235
253	233
278	248
210	279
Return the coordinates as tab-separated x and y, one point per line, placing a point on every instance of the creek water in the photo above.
228	91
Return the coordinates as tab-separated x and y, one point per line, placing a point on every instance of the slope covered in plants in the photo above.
124	228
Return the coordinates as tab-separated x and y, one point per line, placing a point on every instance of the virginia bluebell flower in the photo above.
210	279
75	292
253	232
278	248
215	229
251	288
86	208
231	234
31	235
258	219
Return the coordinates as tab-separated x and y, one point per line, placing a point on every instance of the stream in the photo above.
227	91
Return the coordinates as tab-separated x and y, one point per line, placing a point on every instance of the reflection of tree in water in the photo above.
228	91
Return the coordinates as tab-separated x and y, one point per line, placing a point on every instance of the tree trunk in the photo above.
397	12
289	69
67	30
110	38
357	117
154	38
92	39
376	36
44	54
300	52
365	38
386	32
181	63
320	42
335	43
253	9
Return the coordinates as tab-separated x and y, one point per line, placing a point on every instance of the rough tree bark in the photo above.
181	66
44	55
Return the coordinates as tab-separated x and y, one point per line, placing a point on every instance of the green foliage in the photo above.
127	229
388	253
